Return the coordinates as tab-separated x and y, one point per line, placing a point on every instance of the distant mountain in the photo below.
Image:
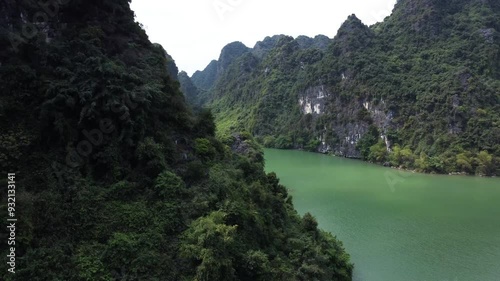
205	79
190	91
320	42
420	90
229	53
263	47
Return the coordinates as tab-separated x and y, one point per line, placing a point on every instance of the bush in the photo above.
313	145
269	141
283	142
151	155
484	164
169	185
204	148
378	153
464	163
402	157
210	242
309	223
367	141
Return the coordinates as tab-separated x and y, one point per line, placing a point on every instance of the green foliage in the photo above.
423	163
426	78
464	163
283	142
121	180
204	148
205	123
367	141
256	265
269	141
485	163
401	157
312	145
168	185
90	265
378	153
309	223
151	154
210	242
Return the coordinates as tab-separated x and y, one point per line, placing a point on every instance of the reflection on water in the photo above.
415	228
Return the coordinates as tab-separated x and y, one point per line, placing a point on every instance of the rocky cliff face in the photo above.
338	136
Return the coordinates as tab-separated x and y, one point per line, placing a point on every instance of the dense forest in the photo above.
419	90
117	178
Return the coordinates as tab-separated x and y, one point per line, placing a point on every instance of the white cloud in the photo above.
194	31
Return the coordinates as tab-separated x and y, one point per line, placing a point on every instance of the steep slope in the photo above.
118	180
187	87
205	79
420	90
252	75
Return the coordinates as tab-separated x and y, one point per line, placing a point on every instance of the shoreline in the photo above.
455	174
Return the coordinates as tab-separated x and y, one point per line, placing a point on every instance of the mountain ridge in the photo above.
431	66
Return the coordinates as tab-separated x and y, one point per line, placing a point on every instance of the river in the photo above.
398	226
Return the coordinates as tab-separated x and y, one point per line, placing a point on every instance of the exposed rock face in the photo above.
318	101
488	34
382	118
240	145
313	100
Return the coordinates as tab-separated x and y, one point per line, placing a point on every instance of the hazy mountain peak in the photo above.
230	52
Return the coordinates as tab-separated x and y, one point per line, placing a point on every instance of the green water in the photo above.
398	226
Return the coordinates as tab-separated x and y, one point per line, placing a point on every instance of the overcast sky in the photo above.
194	31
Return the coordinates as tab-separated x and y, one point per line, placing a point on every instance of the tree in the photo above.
484	164
309	222
422	163
169	185
211	242
367	141
205	123
204	148
464	163
378	153
402	157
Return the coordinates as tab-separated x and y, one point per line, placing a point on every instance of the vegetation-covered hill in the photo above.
420	90
117	179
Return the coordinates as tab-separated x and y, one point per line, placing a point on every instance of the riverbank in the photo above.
401	167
